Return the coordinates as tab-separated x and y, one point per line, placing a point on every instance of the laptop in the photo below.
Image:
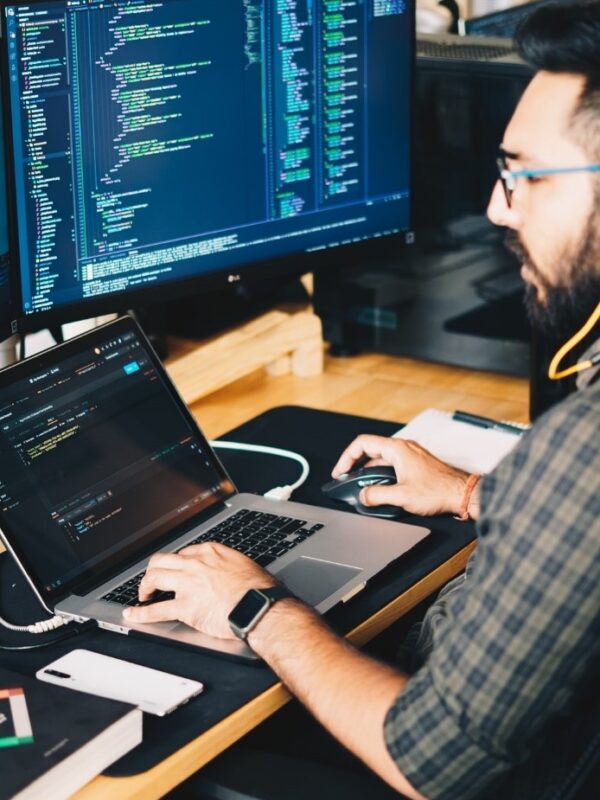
103	465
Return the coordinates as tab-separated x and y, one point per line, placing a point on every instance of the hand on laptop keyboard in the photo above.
260	536
128	594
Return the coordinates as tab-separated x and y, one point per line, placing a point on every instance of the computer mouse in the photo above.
347	488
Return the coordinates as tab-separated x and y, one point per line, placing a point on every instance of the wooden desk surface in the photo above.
371	385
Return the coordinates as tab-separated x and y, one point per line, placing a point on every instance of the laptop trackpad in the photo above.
314	580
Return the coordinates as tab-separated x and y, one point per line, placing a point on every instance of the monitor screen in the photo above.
155	143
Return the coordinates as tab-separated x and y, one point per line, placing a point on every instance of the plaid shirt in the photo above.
507	700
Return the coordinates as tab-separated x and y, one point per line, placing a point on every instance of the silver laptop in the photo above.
102	465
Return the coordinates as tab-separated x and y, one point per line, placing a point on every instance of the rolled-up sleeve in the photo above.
427	743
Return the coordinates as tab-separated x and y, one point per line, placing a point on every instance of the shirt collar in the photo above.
587	376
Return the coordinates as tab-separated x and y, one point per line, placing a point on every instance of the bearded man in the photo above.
504	701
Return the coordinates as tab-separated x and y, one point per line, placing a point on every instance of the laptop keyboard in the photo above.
261	536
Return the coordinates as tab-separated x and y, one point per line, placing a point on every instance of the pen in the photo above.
485	422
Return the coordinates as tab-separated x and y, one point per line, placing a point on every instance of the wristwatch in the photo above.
253	606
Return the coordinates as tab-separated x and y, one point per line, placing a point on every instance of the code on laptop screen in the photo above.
97	460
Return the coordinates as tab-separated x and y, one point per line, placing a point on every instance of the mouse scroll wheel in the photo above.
369	482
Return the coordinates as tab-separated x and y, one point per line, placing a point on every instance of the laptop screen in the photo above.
99	459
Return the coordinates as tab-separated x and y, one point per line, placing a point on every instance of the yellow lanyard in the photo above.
553	372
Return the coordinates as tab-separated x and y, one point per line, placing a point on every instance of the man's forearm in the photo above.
348	692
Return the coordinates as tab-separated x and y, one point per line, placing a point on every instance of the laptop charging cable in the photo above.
43	626
278	492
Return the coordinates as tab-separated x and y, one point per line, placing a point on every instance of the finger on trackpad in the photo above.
313	580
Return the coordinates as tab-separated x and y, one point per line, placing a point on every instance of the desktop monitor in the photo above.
159	148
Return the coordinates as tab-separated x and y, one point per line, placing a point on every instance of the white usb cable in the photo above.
44	626
278	492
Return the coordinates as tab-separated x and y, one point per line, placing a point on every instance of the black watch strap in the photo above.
275	593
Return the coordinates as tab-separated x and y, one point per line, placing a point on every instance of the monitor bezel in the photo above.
348	255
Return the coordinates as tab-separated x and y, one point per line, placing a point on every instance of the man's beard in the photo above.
566	307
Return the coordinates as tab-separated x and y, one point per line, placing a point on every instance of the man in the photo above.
502	705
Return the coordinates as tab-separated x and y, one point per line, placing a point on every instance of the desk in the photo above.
380	382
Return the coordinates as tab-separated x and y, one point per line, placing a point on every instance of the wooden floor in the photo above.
370	385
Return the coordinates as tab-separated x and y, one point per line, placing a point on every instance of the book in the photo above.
53	741
461	444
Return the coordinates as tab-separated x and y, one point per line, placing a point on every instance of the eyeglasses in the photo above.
509	177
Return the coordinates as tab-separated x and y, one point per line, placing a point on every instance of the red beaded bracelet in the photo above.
472	482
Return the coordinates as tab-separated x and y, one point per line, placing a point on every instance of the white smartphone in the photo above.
93	673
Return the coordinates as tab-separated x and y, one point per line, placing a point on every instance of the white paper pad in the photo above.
461	444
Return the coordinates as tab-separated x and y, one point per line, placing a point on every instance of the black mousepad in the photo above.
318	435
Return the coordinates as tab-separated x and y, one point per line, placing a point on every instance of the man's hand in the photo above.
208	581
322	670
426	485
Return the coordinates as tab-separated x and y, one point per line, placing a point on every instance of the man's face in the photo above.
554	220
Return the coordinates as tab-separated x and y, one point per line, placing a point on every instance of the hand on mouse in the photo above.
426	485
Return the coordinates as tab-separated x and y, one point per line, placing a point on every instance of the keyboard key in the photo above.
281	521
293	526
264	561
157	597
253	541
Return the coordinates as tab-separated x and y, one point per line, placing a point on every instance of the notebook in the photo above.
52	742
461	444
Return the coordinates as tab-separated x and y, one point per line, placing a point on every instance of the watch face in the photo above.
246	610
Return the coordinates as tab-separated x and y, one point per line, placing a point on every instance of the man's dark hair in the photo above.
565	37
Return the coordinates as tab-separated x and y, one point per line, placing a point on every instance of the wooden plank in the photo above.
226	358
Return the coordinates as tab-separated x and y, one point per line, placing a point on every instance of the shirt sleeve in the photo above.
516	645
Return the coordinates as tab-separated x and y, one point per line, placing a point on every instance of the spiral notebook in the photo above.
461	444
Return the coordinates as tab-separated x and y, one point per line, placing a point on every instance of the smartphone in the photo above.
151	690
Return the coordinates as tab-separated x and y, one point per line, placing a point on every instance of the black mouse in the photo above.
347	488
